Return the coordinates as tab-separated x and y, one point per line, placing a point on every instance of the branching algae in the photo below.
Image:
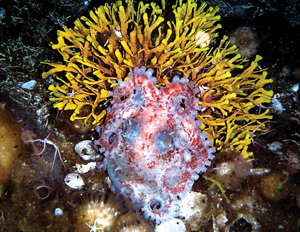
118	37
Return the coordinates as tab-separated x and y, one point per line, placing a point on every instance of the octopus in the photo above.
152	145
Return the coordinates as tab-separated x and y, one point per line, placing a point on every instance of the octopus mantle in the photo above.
153	147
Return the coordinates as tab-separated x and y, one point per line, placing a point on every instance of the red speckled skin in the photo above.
153	146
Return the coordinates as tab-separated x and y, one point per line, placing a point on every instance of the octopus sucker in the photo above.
153	147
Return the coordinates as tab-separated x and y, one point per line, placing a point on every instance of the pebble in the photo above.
29	85
74	181
277	105
295	87
58	212
275	146
259	171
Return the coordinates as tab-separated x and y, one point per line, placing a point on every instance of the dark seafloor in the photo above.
34	197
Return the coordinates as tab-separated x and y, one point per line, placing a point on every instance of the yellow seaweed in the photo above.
118	37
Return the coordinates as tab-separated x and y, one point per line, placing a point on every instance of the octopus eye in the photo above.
164	141
112	138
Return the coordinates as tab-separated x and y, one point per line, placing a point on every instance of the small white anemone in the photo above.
99	212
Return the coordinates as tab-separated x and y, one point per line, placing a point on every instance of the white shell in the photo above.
84	168
74	181
85	150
